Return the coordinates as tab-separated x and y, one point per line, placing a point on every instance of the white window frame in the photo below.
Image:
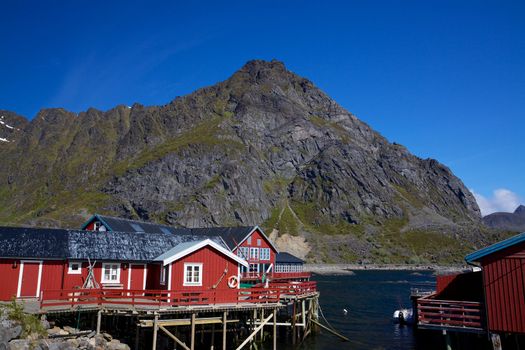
110	265
259	242
192	283
266	255
243	252
249	240
70	270
254	253
163	275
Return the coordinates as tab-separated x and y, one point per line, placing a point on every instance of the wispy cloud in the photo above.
502	200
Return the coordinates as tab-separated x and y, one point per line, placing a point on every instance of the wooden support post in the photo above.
448	341
224	324
496	341
254	333
192	345
155	328
137	337
177	340
274	329
99	320
294	331
212	336
303	315
261	337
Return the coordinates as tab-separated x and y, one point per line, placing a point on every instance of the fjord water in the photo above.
370	297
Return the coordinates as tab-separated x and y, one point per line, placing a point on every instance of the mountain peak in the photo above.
520	210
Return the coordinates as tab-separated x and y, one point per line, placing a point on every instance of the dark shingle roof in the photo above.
72	244
20	242
287	258
128	225
232	236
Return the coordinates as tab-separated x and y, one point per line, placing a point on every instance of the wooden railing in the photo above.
155	298
295	288
277	275
450	313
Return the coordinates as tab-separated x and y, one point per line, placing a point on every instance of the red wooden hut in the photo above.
490	299
33	261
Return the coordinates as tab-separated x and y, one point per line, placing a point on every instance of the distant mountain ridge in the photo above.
507	221
263	147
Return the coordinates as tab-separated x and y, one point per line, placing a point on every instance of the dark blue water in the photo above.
370	297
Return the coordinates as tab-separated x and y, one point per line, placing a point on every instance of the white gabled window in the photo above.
193	274
254	253
110	273
74	268
265	253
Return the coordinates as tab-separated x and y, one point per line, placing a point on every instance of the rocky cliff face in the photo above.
263	147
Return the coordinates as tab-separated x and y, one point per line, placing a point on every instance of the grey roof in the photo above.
128	225
175	250
232	236
287	258
73	244
20	242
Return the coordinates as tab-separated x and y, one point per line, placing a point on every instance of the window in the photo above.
110	273
254	253
254	267
265	253
193	274
137	227
97	226
165	230
75	268
250	240
259	242
163	274
243	252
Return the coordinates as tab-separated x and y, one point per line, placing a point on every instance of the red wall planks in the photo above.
504	277
214	264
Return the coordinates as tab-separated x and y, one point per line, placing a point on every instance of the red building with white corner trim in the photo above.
33	261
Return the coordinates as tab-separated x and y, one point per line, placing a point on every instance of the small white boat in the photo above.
403	316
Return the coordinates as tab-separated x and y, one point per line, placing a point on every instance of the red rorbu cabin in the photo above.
491	299
39	261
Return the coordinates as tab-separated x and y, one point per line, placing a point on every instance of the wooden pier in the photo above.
193	319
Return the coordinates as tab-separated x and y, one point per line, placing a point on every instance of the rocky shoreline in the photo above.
348	269
21	331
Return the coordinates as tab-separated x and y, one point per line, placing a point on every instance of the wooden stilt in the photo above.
224	324
294	330
192	345
448	341
261	337
212	336
172	336
255	331
155	328
99	320
137	337
274	329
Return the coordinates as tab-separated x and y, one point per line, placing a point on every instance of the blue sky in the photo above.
444	78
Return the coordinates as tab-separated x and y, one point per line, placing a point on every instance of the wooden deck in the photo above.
172	300
451	315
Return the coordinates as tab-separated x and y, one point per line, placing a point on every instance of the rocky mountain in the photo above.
265	147
507	221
